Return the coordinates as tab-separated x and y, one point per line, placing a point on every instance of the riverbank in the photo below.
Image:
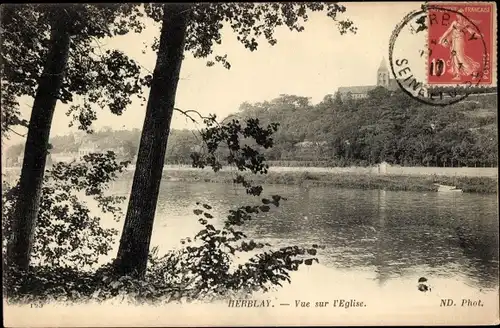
344	180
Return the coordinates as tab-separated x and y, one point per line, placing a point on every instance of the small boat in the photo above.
444	188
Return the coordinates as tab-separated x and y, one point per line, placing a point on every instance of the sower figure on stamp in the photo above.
454	37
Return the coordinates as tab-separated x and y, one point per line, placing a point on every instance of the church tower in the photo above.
383	74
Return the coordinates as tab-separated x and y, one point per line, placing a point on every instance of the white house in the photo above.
87	148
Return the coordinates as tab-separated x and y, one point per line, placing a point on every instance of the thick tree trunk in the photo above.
35	153
136	236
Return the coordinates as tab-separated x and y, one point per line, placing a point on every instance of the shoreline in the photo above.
485	185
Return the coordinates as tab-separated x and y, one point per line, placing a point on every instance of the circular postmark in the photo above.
446	78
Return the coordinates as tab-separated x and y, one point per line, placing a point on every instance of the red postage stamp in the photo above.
461	42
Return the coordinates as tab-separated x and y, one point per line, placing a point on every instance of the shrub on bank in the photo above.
69	239
203	271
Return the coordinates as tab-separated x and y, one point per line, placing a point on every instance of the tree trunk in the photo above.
136	236
37	142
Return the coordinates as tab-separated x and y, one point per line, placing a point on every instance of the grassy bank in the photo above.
351	180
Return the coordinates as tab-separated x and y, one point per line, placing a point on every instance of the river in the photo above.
377	245
387	232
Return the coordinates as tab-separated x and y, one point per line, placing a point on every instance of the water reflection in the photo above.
390	233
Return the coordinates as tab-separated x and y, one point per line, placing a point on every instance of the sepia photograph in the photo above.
249	164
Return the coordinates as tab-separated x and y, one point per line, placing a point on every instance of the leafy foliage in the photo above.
206	269
66	233
203	270
207	265
339	133
249	21
108	79
384	127
92	77
235	144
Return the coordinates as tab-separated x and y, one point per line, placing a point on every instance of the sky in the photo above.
312	63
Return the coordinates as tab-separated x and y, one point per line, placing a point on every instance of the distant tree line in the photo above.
178	150
363	132
396	129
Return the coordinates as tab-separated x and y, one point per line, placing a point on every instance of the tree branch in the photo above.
98	44
186	113
21	135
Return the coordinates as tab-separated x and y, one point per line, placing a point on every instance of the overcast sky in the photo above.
312	63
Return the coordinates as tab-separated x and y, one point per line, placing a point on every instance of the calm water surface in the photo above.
382	236
377	245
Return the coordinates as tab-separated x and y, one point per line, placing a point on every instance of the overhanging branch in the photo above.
187	114
12	130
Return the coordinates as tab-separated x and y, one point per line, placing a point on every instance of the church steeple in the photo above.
383	74
383	66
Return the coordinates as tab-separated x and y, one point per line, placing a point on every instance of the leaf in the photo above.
308	262
266	201
264	208
197	211
208	207
115	284
208	215
249	209
96	293
422	279
312	251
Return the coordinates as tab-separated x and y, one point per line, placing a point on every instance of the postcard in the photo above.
250	164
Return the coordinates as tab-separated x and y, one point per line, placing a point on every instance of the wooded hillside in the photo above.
396	129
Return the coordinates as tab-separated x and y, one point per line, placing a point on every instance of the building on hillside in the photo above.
93	147
87	148
65	157
84	149
70	156
360	92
